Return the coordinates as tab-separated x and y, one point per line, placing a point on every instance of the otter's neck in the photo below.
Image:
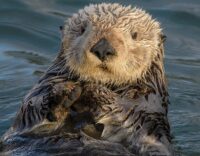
156	80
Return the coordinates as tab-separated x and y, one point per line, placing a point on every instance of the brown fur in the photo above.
127	93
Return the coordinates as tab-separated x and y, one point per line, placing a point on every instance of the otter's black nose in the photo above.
102	49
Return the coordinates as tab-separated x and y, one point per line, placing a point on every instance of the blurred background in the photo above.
30	39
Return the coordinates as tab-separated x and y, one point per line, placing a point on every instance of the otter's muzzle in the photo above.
103	50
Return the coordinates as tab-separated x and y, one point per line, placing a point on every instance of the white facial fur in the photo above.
132	33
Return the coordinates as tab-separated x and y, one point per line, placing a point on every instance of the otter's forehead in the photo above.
107	15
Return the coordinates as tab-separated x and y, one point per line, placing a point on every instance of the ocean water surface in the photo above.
30	39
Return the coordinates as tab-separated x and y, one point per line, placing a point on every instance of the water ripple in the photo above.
31	57
30	38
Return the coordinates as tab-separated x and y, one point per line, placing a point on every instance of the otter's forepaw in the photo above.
72	92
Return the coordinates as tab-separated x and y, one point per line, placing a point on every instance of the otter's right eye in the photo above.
134	35
82	30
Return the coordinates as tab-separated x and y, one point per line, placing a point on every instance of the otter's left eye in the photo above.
134	35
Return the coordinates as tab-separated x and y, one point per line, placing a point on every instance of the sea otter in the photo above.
108	76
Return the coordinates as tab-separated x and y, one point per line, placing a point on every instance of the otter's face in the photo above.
110	43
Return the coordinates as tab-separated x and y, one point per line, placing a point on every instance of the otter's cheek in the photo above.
80	46
139	54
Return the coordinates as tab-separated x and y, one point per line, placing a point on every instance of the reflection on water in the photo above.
29	40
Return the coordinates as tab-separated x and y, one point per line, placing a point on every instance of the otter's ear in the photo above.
62	35
62	31
61	28
163	38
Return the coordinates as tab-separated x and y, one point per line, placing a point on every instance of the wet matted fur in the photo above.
126	93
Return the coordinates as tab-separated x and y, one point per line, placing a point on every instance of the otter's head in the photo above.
110	43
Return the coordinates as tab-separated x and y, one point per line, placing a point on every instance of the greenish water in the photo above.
29	40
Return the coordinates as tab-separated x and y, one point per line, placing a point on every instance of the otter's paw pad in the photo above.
72	92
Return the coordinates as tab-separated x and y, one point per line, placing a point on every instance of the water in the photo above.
29	40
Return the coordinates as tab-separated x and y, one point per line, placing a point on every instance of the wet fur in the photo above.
133	83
